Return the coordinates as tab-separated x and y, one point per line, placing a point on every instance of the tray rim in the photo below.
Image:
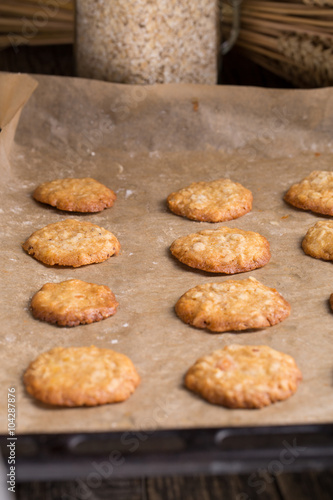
209	451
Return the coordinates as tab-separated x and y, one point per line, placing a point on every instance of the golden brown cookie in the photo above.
75	195
71	243
81	376
314	193
232	305
318	241
222	250
73	302
244	376
214	201
331	301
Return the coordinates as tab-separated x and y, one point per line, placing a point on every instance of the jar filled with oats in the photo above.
148	41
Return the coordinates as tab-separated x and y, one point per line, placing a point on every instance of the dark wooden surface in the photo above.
302	486
307	485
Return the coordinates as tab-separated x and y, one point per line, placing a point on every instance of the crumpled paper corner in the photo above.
15	90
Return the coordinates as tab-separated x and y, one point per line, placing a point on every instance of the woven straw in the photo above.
311	59
321	3
36	22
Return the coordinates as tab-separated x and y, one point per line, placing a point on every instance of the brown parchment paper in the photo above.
145	142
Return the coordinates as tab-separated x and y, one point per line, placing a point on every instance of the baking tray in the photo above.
145	142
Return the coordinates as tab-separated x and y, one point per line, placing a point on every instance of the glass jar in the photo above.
148	41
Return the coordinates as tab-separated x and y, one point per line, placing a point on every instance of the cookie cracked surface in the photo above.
214	201
75	195
314	193
81	376
222	250
318	241
232	306
73	302
71	243
244	376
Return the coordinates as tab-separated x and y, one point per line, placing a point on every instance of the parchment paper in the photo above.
145	142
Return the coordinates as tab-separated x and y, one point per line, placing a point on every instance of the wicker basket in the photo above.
292	39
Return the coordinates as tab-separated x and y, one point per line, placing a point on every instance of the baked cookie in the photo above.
232	305
314	193
81	376
318	241
331	301
244	376
75	195
73	302
214	201
71	243
222	250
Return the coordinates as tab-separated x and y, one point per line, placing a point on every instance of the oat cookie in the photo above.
71	243
244	376
318	241
214	201
314	193
232	305
81	376
73	302
222	250
331	301
75	195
